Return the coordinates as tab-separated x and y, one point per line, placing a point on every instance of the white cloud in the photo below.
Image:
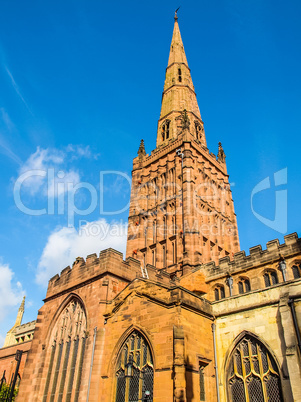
78	151
44	169
65	244
10	294
47	171
59	184
42	158
2	339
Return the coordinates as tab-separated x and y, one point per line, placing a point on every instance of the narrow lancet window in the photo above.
167	130
179	75
202	383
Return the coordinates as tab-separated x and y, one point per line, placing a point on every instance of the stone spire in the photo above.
177	52
20	313
178	94
10	338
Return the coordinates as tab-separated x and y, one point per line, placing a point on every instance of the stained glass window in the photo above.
134	371
67	341
253	374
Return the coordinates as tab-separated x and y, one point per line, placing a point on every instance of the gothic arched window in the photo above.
296	271
135	371
244	285
253	374
165	130
219	292
67	349
198	130
270	278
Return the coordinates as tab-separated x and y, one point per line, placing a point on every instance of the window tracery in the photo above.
134	371
296	271
219	292
165	130
244	285
270	278
253	374
198	129
66	354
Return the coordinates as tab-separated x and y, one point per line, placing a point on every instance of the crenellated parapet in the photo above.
261	268
109	262
257	257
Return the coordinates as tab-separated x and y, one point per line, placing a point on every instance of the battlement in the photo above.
110	261
27	326
257	257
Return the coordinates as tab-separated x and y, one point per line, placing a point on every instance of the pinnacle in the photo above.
141	150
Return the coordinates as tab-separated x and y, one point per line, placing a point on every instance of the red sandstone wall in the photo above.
8	362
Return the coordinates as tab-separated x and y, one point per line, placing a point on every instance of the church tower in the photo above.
181	209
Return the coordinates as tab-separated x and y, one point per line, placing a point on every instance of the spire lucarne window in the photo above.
66	354
252	373
135	372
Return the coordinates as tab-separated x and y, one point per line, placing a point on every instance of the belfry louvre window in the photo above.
253	374
198	129
135	372
179	75
66	354
165	130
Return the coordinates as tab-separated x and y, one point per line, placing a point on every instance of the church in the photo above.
187	315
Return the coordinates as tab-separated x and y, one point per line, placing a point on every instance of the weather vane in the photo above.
176	13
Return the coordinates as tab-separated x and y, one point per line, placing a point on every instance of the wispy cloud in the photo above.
48	171
4	148
78	151
7	126
11	293
17	89
43	181
65	244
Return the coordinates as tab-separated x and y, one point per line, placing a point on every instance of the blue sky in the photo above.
81	84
